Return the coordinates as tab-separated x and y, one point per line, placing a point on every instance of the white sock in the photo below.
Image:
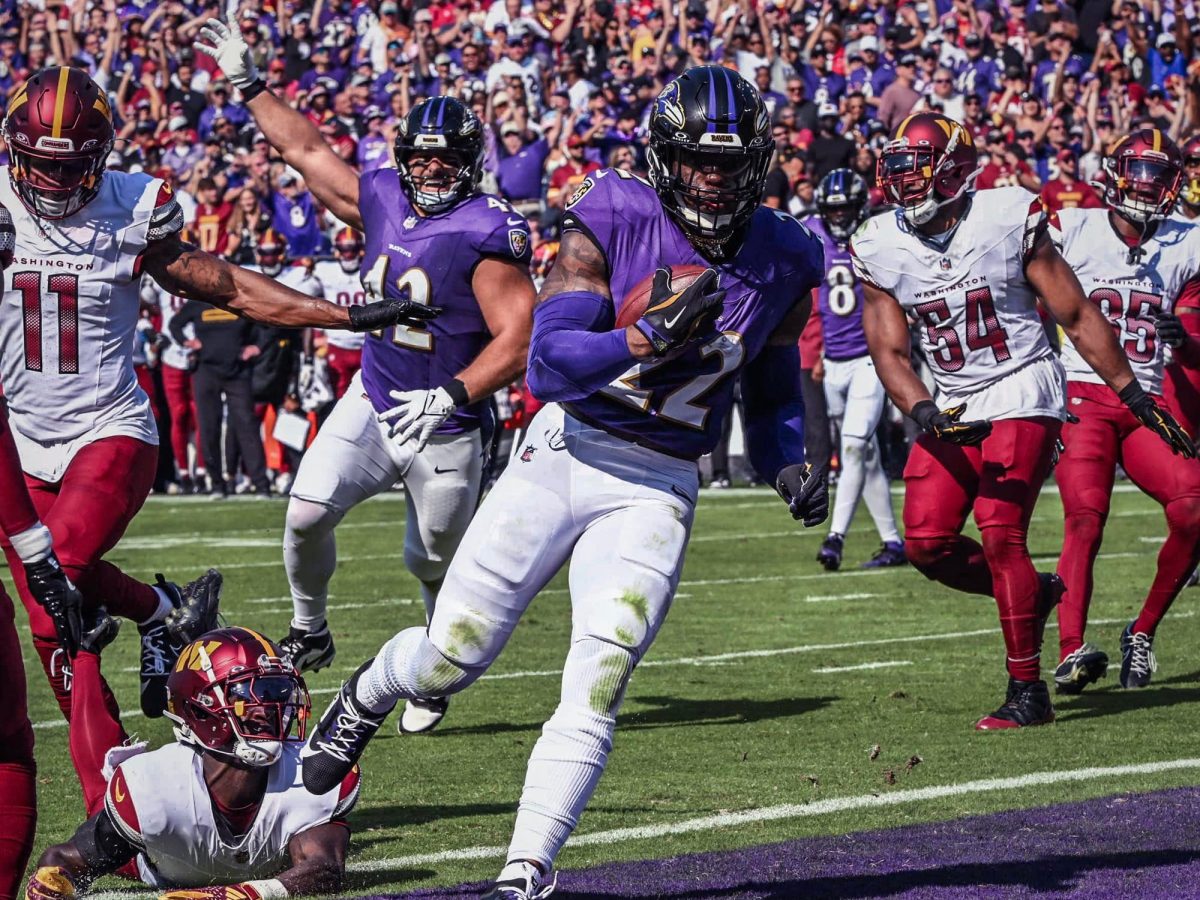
310	558
877	494
409	666
165	606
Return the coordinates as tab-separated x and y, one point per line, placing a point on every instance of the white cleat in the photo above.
420	716
522	881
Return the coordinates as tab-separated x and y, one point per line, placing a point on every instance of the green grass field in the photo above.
770	683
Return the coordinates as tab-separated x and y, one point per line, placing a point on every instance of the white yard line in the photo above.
826	598
832	670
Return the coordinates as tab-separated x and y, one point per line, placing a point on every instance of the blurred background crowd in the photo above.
565	87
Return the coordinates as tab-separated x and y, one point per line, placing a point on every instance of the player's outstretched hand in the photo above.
49	883
674	317
1170	330
945	425
223	42
53	591
417	415
244	891
805	490
382	313
1157	419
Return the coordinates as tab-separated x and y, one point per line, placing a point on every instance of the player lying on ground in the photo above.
418	411
222	813
970	267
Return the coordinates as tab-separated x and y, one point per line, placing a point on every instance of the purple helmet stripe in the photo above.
712	105
731	109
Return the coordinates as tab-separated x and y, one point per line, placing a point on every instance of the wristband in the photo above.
269	889
457	391
1132	393
923	412
33	544
253	90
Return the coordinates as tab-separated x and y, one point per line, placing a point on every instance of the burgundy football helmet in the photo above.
931	162
348	246
271	252
59	131
1190	194
1143	173
232	694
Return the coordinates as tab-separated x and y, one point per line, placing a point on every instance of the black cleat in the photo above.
339	738
308	651
521	881
830	554
1050	594
159	653
1026	703
196	606
1137	658
1080	668
99	630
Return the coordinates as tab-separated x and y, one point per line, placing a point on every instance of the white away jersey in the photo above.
160	803
167	304
1130	294
343	289
975	312
70	306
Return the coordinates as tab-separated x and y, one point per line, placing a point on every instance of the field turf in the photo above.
779	702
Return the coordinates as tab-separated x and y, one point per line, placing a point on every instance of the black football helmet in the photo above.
709	120
446	128
842	203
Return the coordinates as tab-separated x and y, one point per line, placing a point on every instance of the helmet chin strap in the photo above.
349	267
257	754
272	270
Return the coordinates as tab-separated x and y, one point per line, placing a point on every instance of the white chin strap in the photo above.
923	211
1139	211
54	209
258	754
349	267
272	270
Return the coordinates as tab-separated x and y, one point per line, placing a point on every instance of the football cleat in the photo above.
420	716
99	630
339	738
308	651
1137	658
197	604
1193	579
830	554
890	554
1050	594
1080	668
1026	703
521	881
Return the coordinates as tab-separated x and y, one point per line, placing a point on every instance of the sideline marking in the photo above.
830	670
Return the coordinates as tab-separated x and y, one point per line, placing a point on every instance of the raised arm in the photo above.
332	181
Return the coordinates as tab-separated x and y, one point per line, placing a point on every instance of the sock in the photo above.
310	559
165	606
95	727
1017	588
850	483
18	812
877	493
1176	561
408	666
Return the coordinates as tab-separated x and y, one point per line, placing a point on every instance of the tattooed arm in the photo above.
187	271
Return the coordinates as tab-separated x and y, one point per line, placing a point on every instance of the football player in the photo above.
1135	263
608	477
220	814
854	395
83	426
341	284
969	268
416	409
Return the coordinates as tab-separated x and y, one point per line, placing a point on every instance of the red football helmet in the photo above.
543	260
59	131
233	694
271	251
1143	172
348	246
932	161
1190	194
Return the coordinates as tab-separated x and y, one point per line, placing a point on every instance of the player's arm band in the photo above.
457	392
102	845
573	351
774	407
253	90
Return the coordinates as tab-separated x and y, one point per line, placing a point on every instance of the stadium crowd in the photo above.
566	88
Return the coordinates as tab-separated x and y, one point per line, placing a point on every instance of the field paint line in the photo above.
824	598
722	821
366	604
831	670
1162	539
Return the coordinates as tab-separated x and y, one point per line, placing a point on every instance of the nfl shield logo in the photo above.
519	241
527	453
410	222
944	263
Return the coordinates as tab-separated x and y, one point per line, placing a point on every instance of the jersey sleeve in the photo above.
1037	223
860	263
347	794
120	808
508	238
166	218
590	210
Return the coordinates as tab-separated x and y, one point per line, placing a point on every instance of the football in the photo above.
638	297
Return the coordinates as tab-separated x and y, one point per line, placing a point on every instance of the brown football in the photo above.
638	297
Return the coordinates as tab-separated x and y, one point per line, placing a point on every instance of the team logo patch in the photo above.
670	107
580	192
527	453
519	241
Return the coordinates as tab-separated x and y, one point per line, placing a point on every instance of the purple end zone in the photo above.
1129	846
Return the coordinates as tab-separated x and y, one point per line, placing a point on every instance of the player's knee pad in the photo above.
413	666
927	553
306	519
595	677
1003	543
854	450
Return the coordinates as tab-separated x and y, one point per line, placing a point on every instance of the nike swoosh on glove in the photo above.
945	425
418	414
59	598
806	492
222	41
672	318
49	883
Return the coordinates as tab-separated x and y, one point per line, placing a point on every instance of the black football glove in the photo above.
1060	446
1157	419
945	425
382	313
672	318
1170	330
806	492
54	593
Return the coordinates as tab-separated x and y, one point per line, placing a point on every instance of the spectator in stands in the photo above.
1066	190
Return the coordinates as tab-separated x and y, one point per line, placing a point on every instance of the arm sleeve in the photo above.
774	410
573	352
166	218
103	844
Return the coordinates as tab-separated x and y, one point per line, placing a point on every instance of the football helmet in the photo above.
1190	194
1142	176
710	147
59	131
232	694
842	203
270	251
929	164
348	247
446	128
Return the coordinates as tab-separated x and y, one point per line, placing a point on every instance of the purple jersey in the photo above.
840	299
677	404
431	260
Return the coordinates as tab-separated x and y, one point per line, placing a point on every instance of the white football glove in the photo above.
418	414
223	42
